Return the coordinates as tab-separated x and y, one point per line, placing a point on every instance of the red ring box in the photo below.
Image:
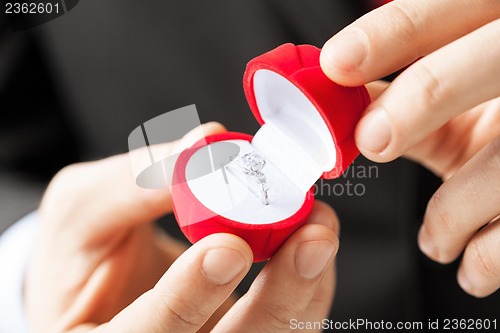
307	133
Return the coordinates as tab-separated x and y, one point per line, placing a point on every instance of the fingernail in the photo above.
425	243
463	280
221	266
312	257
347	51
374	131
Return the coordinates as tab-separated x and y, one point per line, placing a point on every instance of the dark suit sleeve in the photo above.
35	140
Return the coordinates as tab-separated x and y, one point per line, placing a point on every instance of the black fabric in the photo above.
35	139
74	88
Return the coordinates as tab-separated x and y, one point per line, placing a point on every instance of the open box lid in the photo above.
287	90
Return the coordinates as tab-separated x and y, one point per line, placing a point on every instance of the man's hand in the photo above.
443	111
100	265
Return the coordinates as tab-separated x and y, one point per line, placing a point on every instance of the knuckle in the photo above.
495	144
494	153
182	312
438	216
405	21
430	89
68	172
489	158
480	252
278	316
67	192
58	186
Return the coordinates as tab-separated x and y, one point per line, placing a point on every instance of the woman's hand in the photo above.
443	111
101	265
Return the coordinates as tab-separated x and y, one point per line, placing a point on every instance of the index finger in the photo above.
192	289
395	35
102	197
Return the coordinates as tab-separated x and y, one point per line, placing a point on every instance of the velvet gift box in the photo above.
307	132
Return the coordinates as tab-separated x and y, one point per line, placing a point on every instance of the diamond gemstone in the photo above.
253	162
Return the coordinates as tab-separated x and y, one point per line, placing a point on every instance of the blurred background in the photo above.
74	88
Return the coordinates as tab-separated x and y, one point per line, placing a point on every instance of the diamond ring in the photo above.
252	165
